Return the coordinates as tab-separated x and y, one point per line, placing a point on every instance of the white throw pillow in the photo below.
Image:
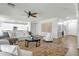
12	49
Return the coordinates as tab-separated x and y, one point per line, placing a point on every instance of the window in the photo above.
9	26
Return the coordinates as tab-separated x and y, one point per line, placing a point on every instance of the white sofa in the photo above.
19	34
13	50
24	53
8	50
4	41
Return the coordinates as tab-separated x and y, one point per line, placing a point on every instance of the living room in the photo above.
39	29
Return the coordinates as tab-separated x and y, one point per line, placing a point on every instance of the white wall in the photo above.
78	33
71	27
34	27
7	24
54	27
9	27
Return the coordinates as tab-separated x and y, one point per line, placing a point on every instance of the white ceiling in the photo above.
44	10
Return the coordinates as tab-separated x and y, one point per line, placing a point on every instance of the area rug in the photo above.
54	48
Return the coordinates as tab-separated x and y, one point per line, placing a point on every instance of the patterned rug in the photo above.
54	48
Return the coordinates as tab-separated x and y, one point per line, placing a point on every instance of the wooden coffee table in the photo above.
37	41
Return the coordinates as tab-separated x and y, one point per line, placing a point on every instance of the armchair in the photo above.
48	37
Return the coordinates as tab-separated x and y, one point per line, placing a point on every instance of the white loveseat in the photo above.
4	41
12	50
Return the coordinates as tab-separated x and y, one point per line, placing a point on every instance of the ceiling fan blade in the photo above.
29	13
25	11
34	16
34	13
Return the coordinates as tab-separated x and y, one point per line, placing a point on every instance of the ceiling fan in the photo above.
30	13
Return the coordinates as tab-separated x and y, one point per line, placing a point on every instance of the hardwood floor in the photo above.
71	43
